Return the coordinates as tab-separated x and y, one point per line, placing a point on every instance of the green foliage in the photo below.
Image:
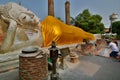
118	37
88	22
109	36
116	28
59	19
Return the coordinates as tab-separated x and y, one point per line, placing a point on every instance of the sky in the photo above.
101	7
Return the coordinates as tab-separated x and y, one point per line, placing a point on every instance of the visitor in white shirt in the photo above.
114	47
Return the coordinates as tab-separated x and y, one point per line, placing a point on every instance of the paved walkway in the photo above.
92	68
87	68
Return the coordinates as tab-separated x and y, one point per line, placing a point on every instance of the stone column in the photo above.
51	7
33	65
67	12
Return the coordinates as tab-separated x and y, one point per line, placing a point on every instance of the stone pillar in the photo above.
67	12
51	7
33	64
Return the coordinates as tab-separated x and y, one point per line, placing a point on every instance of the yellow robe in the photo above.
55	30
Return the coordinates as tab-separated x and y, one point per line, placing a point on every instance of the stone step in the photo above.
9	65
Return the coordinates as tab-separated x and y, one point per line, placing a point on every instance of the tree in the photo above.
88	22
59	19
116	28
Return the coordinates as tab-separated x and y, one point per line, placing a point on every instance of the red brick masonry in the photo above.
33	67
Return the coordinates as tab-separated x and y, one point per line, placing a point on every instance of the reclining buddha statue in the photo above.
20	27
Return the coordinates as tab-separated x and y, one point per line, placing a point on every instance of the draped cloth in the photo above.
55	30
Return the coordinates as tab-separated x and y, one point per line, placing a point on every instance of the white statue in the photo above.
18	23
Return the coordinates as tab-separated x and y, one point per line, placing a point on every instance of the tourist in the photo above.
114	47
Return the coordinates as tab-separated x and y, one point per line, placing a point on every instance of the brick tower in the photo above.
67	12
51	7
